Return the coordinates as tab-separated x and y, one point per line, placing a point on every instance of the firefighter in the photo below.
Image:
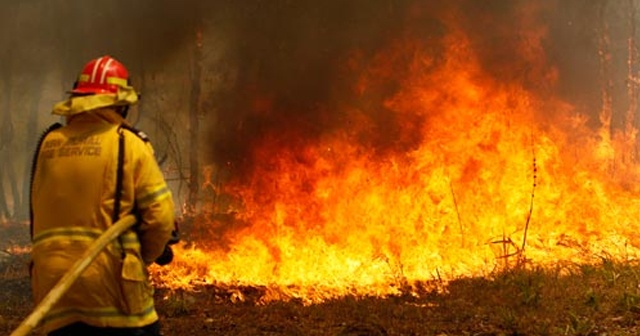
86	174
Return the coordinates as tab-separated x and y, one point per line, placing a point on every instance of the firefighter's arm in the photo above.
154	204
157	223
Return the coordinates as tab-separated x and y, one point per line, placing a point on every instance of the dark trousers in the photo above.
81	329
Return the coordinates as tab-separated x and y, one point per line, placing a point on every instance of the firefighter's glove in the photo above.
167	254
175	238
166	257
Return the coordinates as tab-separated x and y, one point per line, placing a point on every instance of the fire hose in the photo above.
73	274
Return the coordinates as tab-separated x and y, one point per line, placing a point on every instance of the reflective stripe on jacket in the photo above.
72	199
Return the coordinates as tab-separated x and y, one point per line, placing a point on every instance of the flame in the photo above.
484	172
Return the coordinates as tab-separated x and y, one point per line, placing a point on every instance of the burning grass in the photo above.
566	299
431	197
434	167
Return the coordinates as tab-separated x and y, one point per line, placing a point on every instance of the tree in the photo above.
194	113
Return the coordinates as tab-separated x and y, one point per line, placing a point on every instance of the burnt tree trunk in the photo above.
7	169
31	140
604	51
194	112
632	83
5	138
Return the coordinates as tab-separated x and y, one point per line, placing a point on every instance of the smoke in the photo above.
44	46
65	34
289	68
289	74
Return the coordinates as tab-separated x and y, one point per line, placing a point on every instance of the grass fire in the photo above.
374	168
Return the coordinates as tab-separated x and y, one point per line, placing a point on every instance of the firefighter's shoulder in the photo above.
140	134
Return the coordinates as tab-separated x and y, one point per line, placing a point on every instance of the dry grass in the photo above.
602	299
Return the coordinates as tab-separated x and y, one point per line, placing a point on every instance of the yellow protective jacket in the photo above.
72	199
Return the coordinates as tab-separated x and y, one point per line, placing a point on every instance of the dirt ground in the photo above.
215	310
588	300
210	311
478	307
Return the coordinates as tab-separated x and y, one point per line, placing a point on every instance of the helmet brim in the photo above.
88	91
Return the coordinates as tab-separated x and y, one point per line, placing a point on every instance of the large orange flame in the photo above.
489	172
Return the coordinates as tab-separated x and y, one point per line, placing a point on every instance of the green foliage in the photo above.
610	271
508	319
592	299
177	304
630	302
579	325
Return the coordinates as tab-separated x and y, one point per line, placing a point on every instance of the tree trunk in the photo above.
31	141
632	85
6	138
194	112
4	206
604	51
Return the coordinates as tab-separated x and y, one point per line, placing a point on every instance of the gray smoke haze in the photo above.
38	35
292	54
44	45
278	67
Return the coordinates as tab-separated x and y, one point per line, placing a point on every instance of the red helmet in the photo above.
103	75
